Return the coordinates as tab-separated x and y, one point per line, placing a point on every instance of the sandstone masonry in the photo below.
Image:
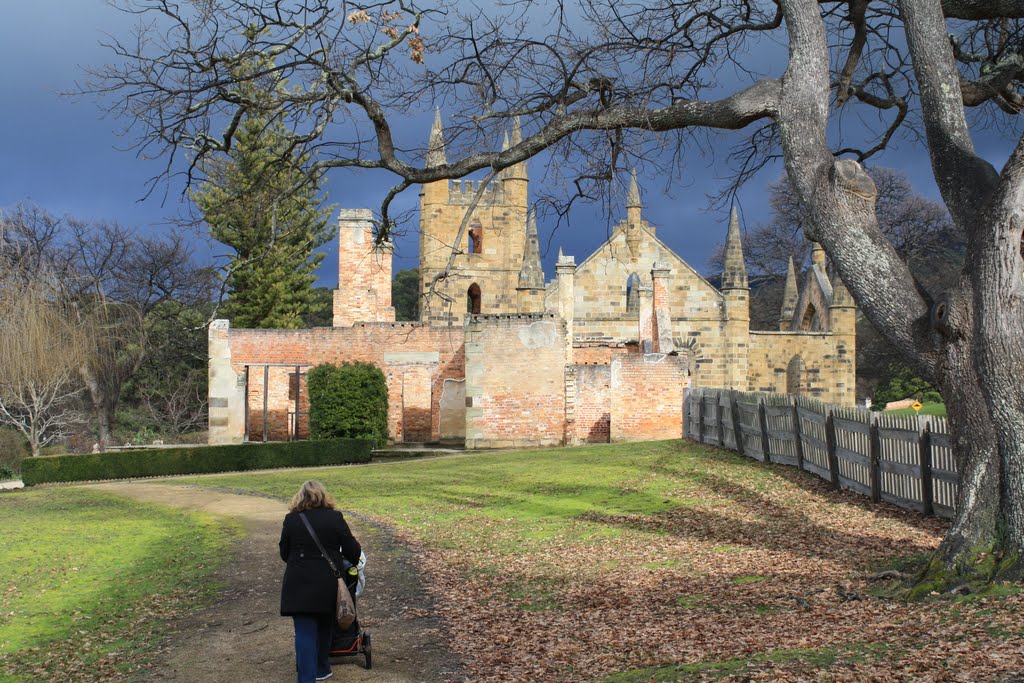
604	352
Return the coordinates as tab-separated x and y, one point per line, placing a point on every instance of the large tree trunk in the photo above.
997	270
978	505
100	405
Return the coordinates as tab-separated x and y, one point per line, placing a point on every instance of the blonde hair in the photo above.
311	494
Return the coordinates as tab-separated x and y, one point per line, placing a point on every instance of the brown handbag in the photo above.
345	611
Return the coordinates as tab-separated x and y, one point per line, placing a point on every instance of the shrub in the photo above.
899	383
348	401
13	449
201	460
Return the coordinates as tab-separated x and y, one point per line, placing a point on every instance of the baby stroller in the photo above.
353	641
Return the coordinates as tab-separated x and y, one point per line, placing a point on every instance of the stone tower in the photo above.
497	262
736	308
842	315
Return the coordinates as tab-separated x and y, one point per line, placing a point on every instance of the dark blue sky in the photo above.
62	154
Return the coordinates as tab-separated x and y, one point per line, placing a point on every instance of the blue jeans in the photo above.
312	645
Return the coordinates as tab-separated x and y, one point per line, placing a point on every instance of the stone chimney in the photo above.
364	272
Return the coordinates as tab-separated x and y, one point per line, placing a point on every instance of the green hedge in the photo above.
194	460
348	401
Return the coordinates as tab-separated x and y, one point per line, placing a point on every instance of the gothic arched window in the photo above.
473	300
476	238
633	294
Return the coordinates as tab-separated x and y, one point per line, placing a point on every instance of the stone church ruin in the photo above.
604	352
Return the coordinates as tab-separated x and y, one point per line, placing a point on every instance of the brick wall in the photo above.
593	403
280	403
364	272
416	361
515	381
647	396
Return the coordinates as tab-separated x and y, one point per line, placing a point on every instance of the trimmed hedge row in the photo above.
194	460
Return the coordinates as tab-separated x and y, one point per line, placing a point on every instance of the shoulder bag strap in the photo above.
316	539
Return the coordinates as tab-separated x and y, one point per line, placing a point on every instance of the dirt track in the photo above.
242	637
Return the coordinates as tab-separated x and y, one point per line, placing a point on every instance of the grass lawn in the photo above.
664	562
87	579
938	409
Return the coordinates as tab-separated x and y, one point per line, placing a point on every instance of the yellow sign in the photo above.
917	405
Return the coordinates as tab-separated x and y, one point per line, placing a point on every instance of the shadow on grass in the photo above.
776	528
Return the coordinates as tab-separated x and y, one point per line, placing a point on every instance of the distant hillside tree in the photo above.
272	222
321	311
405	294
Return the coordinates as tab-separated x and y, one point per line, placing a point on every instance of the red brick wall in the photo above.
367	342
647	397
593	403
515	381
280	404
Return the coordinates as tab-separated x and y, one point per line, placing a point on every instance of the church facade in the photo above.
604	351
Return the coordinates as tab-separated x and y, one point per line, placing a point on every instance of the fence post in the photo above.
266	390
700	417
737	430
763	419
927	494
831	446
876	462
796	435
719	420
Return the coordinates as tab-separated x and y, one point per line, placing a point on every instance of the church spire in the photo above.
514	177
435	148
734	275
633	196
531	276
503	173
633	206
517	132
818	257
516	171
790	296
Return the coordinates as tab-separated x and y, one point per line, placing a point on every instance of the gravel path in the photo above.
242	637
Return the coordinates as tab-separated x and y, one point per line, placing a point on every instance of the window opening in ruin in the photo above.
807	324
633	294
473	302
476	238
794	375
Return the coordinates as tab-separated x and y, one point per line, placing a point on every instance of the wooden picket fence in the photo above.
906	460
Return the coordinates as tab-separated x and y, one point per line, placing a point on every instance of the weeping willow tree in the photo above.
44	344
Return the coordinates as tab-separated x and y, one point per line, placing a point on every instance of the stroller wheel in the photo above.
367	654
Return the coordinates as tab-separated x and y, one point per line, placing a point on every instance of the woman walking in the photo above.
309	591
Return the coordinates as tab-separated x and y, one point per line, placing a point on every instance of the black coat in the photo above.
309	586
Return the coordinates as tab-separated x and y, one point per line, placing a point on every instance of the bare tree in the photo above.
116	280
919	228
602	80
43	345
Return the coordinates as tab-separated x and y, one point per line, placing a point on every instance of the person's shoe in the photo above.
325	676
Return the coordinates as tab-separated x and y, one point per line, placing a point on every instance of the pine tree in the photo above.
250	204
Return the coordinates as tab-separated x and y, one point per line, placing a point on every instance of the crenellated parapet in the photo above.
461	193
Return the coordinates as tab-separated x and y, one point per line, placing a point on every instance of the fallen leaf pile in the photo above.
745	584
